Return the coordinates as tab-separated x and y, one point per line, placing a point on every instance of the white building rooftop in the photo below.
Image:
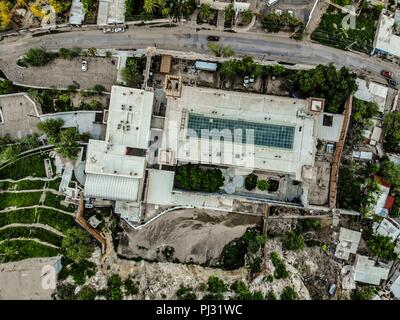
129	117
348	243
388	228
385	40
277	133
111	11
159	187
329	126
115	167
372	92
367	272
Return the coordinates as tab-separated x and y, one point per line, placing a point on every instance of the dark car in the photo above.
213	38
392	82
387	74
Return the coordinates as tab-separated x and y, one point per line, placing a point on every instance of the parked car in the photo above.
105	30
84	65
213	38
119	29
387	74
392	82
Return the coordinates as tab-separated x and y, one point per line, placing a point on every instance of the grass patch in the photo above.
27	232
22	185
53	200
54	184
17	250
57	220
331	33
23	199
31	166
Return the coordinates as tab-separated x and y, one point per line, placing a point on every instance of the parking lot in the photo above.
301	8
62	73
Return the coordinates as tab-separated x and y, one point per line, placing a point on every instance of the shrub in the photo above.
288	293
250	182
216	285
293	241
280	268
114	291
38	57
262	185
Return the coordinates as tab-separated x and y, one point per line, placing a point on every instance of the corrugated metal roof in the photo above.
207	66
111	187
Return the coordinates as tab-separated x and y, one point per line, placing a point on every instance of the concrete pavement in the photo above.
261	46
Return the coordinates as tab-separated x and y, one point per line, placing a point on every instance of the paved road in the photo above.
184	38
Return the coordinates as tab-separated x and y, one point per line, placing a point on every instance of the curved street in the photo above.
184	38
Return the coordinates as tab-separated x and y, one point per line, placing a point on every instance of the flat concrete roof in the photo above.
385	39
329	130
252	108
111	11
159	187
372	92
366	271
129	117
348	243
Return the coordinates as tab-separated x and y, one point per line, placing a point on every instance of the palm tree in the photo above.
205	11
150	6
181	8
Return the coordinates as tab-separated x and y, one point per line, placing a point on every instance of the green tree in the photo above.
86	293
38	57
69	54
9	153
391	172
272	22
243	293
392	132
114	288
324	81
131	287
65	291
99	88
247	16
288	293
181	9
132	73
77	245
51	127
293	241
227	52
250	182
7	87
270	295
216	285
262	185
185	293
150	6
92	52
365	293
68	145
382	247
205	11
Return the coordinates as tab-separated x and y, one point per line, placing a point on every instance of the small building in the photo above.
386	41
165	66
372	92
388	228
111	12
362	155
206	66
379	208
366	271
348	243
329	126
394	284
159	187
77	13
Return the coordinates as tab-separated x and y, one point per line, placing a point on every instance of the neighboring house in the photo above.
382	196
387	40
366	271
348	243
77	13
389	228
394	284
111	12
372	92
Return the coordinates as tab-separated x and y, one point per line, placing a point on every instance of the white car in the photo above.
84	65
290	12
119	29
278	12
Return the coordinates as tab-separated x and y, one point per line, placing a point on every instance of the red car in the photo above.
387	74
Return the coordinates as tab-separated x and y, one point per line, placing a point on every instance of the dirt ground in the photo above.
196	235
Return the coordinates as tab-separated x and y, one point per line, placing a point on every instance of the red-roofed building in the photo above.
389	202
